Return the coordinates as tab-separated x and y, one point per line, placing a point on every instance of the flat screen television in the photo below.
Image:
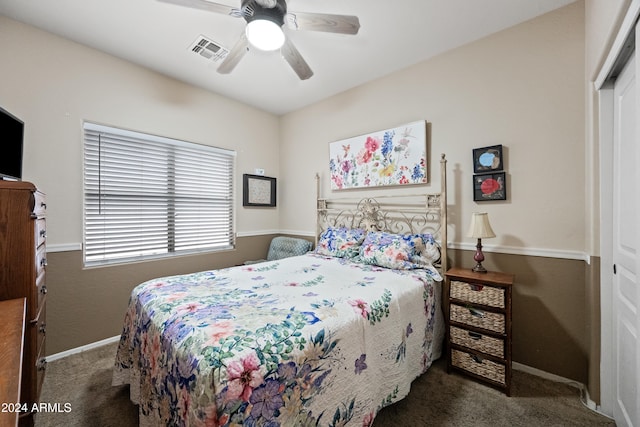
11	141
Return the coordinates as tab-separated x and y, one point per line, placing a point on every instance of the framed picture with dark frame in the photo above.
488	159
490	186
258	190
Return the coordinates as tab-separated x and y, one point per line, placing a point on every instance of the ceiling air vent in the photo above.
208	49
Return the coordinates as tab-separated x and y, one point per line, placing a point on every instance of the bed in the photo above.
327	338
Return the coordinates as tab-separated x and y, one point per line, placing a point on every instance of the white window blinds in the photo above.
147	196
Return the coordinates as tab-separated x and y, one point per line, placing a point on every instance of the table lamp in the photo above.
480	229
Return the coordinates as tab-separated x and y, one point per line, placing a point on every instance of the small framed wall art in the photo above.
487	159
490	186
258	190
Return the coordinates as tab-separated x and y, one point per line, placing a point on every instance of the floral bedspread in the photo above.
303	341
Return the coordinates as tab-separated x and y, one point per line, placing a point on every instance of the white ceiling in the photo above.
393	35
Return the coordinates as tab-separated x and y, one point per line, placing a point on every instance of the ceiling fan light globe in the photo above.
264	34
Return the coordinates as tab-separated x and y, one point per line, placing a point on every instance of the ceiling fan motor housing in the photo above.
252	10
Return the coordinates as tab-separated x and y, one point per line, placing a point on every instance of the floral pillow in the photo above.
400	252
427	250
389	250
340	242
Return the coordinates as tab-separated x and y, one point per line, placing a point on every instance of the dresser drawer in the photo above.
42	326
40	361
479	318
41	288
40	207
41	260
478	342
41	231
478	294
482	367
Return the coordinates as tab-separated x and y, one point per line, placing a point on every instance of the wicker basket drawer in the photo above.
482	367
479	294
479	318
479	342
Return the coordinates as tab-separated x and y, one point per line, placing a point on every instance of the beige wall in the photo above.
54	84
602	19
523	88
510	88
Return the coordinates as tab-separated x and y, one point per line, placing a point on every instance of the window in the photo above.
147	196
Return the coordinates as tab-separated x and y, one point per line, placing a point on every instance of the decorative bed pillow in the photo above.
429	250
389	250
340	242
401	252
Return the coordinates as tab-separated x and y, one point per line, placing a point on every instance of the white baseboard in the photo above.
547	375
584	393
64	247
82	348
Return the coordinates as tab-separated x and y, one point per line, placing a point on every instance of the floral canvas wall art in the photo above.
395	156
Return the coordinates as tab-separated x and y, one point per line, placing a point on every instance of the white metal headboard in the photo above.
400	214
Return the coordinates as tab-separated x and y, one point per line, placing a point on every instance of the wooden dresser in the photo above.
479	325
22	275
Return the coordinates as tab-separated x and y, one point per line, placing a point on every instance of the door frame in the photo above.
604	83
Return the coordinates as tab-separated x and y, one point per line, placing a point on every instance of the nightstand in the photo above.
479	325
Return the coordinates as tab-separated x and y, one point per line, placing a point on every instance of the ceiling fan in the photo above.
265	19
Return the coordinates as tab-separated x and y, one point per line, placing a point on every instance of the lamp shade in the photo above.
265	34
480	227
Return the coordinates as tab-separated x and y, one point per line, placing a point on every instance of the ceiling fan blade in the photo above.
297	62
343	24
235	55
208	6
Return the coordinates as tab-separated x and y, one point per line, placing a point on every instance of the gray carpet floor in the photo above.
437	399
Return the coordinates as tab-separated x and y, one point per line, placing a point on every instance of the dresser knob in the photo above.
476	312
43	328
42	365
43	205
43	233
476	359
475	336
43	290
43	262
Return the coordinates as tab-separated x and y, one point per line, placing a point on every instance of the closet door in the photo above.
626	249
